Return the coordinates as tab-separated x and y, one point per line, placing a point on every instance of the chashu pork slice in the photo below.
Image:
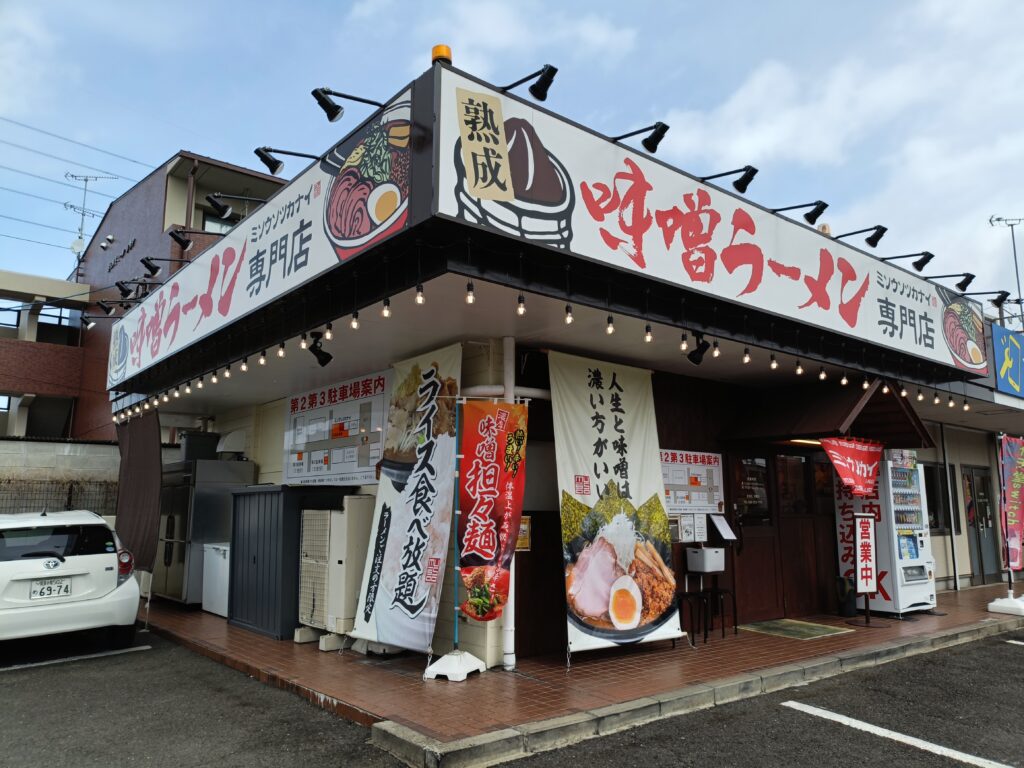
590	585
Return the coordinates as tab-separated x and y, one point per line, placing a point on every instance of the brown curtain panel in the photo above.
138	489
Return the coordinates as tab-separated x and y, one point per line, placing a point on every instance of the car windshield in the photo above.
63	540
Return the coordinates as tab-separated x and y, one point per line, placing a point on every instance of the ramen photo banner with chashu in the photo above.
619	583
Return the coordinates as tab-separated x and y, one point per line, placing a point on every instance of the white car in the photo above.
64	572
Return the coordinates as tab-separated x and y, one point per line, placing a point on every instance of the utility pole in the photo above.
78	246
1011	223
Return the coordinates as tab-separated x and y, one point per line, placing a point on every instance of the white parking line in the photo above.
885	733
77	658
1015	642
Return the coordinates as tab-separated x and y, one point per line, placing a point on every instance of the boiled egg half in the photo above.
624	603
383	201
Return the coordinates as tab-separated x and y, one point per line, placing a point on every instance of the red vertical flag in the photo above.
1012	460
492	475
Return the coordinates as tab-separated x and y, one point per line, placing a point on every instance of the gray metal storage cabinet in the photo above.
264	588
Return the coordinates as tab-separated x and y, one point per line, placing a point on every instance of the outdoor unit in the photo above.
333	551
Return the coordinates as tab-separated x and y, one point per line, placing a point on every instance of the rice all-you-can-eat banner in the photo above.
619	583
492	476
511	167
354	197
1012	460
855	461
405	563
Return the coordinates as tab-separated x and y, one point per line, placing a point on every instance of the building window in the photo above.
5	403
218	226
9	314
936	486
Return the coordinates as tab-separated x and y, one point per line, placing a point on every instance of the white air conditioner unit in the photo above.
333	552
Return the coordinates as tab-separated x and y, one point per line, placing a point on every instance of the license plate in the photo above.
45	588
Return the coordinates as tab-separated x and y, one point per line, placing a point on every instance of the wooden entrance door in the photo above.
757	575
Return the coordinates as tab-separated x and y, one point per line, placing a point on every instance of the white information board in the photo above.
334	434
693	490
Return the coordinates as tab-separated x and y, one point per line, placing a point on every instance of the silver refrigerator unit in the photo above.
195	509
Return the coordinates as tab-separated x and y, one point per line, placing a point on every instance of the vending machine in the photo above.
903	550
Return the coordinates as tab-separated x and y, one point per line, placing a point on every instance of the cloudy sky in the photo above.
905	114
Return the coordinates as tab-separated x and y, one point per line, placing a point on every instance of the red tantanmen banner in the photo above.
856	462
492	475
1012	460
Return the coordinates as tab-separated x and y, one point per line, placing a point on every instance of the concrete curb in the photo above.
419	751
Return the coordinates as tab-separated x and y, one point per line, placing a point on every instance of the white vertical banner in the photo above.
620	587
405	564
866	573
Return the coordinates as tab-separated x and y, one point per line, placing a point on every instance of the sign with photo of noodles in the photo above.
405	563
617	552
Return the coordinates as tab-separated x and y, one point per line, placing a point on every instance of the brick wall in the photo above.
32	367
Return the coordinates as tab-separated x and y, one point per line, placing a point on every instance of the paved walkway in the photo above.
370	690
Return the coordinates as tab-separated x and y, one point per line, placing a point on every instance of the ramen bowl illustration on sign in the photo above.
541	210
368	197
964	333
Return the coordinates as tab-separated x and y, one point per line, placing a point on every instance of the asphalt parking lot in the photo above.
161	705
164	706
969	698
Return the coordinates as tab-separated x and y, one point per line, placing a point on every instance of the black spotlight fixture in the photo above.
317	348
122	286
811	217
918	264
150	263
696	355
223	211
178	236
107	309
88	322
652	140
877	233
968	278
747	174
539	90
997	302
333	110
152	268
266	156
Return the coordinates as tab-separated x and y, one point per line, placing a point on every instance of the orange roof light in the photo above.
441	53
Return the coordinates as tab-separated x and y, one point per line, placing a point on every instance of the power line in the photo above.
64	160
47	199
37	242
73	141
52	181
39	224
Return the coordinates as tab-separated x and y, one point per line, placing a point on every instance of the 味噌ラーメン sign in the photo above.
356	196
508	166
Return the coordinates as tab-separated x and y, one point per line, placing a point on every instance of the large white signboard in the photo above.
356	196
334	435
510	167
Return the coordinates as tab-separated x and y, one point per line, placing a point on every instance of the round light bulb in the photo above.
302	342
568	314
328	332
746	355
967	406
521	305
227	372
865	384
648	335
420	298
470	296
936	399
245	365
610	328
799	369
354	323
385	310
280	350
821	374
844	381
715	351
263	357
774	363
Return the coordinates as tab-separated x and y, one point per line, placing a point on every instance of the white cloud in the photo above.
366	9
27	60
925	120
484	34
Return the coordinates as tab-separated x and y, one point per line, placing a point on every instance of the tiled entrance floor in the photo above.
372	689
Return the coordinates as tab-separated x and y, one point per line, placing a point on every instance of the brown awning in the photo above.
138	490
815	411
